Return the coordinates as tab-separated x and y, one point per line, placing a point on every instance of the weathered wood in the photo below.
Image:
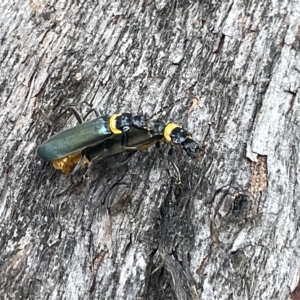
230	73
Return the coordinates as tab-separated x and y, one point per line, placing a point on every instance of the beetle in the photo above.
88	134
141	139
137	139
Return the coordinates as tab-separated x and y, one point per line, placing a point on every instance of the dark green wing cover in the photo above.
75	139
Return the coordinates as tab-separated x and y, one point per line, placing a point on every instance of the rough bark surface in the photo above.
229	71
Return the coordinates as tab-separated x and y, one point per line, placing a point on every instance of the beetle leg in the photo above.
95	110
70	187
124	139
125	161
92	162
80	164
176	177
74	111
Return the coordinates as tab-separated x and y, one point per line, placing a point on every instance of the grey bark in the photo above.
226	70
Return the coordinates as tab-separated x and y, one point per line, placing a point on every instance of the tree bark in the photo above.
229	72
